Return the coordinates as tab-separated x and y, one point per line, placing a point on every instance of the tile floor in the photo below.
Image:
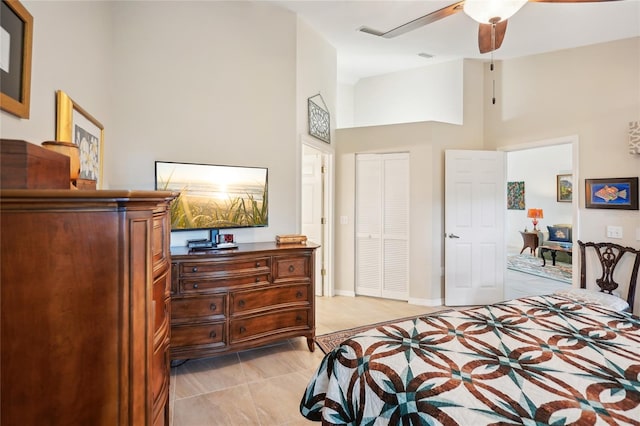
264	386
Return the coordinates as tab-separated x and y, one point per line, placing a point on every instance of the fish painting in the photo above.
611	193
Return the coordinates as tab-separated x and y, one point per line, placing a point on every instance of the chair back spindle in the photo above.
609	255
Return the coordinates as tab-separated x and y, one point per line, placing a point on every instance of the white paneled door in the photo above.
312	206
382	225
475	201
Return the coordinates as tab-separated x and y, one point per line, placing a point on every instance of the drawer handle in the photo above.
257	264
213	307
291	268
195	285
242	329
299	294
194	269
298	318
241	303
213	334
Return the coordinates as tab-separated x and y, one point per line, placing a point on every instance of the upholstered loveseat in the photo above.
559	234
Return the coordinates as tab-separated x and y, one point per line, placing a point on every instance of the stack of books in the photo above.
291	239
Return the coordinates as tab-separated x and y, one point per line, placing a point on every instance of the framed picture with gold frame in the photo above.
75	124
16	38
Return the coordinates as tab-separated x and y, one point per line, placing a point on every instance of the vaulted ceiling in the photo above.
536	28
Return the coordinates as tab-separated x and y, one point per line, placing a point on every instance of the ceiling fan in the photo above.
492	16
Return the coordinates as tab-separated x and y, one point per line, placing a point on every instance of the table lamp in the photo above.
535	214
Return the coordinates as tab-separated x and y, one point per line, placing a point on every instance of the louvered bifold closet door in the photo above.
395	219
368	225
382	225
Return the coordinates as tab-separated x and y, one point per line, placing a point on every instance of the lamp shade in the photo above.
492	11
535	213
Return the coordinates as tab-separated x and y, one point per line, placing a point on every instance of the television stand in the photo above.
224	301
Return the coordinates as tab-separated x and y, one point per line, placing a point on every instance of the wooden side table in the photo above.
530	240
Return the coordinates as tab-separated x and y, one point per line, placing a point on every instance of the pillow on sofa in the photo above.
560	234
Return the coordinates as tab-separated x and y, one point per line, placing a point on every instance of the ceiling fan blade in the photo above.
484	36
416	23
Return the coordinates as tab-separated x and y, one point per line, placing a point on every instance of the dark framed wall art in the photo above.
16	38
612	193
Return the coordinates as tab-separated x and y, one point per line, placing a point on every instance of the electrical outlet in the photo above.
614	231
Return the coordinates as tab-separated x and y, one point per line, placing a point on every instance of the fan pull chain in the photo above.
493	48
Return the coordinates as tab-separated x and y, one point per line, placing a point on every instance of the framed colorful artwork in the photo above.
614	193
564	188
515	195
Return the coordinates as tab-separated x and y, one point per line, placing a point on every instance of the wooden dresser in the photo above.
233	299
85	302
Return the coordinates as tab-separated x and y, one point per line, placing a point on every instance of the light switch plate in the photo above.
614	231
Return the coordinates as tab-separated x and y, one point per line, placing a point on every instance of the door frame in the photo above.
574	141
326	248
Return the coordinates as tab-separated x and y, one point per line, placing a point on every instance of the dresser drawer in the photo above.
159	243
194	309
162	285
242	266
161	307
196	335
288	268
206	285
272	323
161	319
160	375
247	301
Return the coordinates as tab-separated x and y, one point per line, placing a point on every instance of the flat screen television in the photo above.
214	197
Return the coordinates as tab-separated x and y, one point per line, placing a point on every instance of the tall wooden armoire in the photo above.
85	281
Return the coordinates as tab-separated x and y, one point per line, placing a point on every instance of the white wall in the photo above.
431	93
425	142
592	92
72	51
537	168
345	108
204	82
316	74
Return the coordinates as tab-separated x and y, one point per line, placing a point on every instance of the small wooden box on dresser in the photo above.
85	302
233	299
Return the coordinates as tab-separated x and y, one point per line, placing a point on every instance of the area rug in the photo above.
533	265
327	342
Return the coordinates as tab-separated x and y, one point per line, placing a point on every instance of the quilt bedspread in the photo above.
536	360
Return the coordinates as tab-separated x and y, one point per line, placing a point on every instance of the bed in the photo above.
553	359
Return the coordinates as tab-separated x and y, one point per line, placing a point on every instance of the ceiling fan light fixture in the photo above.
492	11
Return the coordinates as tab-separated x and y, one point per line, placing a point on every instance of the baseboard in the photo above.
344	293
426	302
412	300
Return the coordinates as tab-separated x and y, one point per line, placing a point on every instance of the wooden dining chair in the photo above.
610	256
